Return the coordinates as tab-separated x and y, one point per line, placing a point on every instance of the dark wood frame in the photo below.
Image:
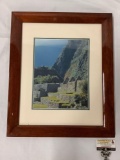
13	127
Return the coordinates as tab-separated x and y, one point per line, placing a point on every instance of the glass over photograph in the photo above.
61	74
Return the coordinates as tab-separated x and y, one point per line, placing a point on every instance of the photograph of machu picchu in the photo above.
61	74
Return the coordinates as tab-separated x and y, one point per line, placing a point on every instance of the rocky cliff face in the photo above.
63	62
73	61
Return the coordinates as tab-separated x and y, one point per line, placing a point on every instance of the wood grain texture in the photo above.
13	127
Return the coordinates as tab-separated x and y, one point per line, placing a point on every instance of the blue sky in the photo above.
50	42
46	51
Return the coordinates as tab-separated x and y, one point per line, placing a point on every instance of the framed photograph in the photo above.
61	81
61	68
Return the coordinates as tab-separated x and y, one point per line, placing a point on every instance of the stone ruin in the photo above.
41	91
70	87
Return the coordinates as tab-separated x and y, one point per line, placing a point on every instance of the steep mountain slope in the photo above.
73	61
62	64
79	64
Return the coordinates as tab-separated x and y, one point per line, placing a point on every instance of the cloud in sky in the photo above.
50	42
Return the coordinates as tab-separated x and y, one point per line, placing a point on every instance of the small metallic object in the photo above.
105	153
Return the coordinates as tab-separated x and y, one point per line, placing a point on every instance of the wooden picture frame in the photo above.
14	128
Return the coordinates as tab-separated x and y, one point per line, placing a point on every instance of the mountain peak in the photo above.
73	60
73	44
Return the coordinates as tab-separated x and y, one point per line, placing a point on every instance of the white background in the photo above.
53	148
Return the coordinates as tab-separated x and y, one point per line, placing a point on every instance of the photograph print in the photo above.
61	74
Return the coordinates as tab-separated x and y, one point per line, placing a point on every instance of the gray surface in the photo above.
52	148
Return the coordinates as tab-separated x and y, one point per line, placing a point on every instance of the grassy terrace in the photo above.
39	106
63	93
43	106
53	98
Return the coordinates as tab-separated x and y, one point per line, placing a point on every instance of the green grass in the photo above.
53	93
38	106
63	102
51	98
66	105
69	94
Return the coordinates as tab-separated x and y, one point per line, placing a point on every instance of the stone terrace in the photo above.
64	95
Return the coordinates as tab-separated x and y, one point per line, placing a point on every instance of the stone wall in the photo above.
45	100
42	93
63	87
37	87
48	87
49	103
52	87
80	84
68	87
71	87
42	90
53	105
36	96
50	94
67	98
